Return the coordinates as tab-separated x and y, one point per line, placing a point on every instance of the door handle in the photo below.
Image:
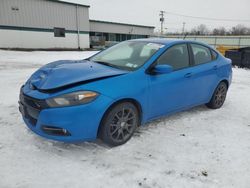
215	67
188	75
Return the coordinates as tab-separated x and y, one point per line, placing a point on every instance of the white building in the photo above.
44	24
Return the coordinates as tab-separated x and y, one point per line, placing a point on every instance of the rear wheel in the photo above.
119	124
219	96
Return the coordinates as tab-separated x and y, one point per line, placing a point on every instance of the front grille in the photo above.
30	107
35	103
32	120
29	113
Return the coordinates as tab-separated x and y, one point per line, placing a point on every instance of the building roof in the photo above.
125	24
68	2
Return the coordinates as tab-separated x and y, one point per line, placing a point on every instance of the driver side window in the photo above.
176	56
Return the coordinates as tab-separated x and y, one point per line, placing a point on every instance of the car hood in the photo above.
59	74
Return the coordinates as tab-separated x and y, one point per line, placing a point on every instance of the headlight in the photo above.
72	99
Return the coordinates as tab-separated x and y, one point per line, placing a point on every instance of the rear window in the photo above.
201	54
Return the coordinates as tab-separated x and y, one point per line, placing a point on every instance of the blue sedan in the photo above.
110	94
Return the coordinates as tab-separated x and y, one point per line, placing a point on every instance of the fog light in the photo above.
55	131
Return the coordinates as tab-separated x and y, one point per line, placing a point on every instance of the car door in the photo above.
172	91
204	73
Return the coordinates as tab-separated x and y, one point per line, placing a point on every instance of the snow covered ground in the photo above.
196	148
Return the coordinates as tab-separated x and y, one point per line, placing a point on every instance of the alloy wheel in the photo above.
123	124
220	95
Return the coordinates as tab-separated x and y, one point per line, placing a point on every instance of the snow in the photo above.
196	148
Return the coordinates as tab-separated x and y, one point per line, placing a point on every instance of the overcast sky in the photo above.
147	12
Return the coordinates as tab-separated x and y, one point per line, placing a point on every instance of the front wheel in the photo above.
219	96
119	124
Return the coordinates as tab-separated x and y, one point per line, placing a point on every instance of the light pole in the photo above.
162	19
183	27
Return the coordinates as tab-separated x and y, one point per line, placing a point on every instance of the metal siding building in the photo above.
31	23
44	24
113	27
101	31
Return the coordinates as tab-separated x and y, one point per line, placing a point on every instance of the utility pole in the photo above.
162	20
183	27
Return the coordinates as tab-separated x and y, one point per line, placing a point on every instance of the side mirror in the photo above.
162	69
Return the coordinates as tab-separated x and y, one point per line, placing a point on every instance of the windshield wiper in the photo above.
108	64
104	63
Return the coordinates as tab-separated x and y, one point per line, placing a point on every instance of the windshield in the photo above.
128	55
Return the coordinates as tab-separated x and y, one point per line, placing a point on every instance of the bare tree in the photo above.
219	31
239	30
200	30
248	31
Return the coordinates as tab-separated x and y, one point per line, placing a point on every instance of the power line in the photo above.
207	18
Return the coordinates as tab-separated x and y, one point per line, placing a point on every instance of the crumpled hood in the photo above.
64	73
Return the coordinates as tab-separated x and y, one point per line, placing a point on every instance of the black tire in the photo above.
119	124
218	97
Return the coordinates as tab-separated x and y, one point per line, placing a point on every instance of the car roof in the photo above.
159	40
166	41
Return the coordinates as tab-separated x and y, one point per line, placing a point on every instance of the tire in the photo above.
119	124
218	97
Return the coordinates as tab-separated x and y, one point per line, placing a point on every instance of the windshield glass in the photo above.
129	55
